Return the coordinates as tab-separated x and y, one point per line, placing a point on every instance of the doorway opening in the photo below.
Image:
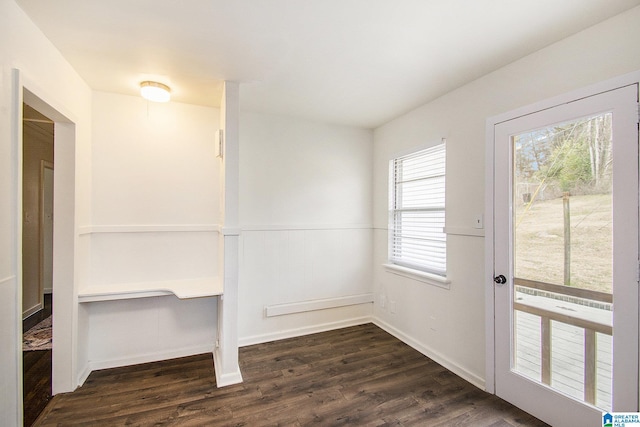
37	260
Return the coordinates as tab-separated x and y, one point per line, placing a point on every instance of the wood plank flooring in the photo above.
354	376
36	369
36	366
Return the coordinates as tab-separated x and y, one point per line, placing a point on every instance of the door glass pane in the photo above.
563	269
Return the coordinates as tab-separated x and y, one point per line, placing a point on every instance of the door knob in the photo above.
500	280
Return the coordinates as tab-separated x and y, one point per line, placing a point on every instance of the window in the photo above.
417	202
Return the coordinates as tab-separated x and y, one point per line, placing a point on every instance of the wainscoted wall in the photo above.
450	325
439	316
147	256
156	216
149	329
305	212
300	268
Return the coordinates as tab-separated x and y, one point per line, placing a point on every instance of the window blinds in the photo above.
417	211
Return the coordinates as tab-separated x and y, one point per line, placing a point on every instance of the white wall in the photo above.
156	197
305	215
153	163
449	324
156	210
49	77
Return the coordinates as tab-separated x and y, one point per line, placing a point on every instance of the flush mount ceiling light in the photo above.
154	91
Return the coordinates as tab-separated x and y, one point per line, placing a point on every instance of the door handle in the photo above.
500	279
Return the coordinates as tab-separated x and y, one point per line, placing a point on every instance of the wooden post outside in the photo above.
567	238
545	338
590	366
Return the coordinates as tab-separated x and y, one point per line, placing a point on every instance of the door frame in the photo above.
65	307
491	122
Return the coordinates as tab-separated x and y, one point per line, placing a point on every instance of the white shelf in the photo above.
183	289
146	228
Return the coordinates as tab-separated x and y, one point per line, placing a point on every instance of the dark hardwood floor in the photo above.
37	383
354	376
36	368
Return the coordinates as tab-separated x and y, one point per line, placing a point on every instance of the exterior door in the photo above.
566	259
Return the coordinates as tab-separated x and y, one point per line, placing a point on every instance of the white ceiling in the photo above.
353	62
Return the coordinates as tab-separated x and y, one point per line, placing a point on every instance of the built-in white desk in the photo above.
183	289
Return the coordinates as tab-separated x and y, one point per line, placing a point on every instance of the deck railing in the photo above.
590	327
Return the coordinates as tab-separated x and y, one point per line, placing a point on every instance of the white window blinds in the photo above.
417	238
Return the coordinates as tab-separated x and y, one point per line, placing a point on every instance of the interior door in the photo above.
566	259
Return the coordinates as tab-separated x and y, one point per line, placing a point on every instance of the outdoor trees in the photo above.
574	157
562	203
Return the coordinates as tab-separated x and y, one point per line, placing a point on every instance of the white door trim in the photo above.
491	122
65	353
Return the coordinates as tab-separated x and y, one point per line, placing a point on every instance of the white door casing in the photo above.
529	395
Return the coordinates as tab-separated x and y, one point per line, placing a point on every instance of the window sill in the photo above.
421	276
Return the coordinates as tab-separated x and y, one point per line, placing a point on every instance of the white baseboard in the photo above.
236	377
307	330
229	378
95	365
84	375
431	354
28	312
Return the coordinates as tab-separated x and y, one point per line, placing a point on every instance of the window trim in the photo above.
419	275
